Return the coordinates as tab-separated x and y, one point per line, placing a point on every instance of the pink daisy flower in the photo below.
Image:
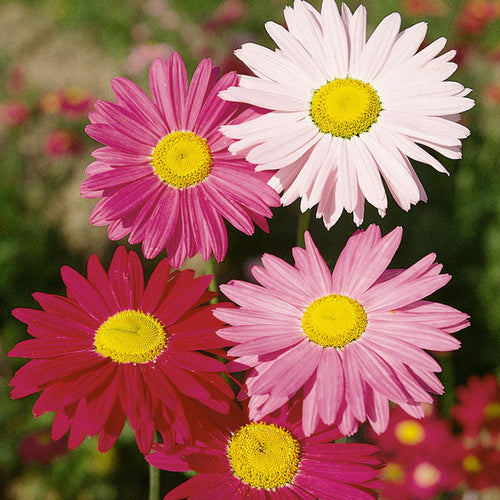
116	349
351	339
346	112
271	459
166	177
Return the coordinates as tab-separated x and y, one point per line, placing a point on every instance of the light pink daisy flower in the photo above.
166	177
346	112
271	460
350	340
116	349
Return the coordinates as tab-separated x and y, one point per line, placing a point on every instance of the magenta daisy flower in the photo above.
350	340
346	112
271	459
166	177
116	349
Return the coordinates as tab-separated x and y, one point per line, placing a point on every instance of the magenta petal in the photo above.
116	139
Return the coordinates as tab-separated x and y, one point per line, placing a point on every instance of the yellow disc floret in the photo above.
345	107
264	455
472	464
409	432
182	159
334	321
492	410
130	337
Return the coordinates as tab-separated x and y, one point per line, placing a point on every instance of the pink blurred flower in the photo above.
271	459
15	79
75	102
143	54
481	467
363	325
62	143
116	349
166	177
228	12
13	113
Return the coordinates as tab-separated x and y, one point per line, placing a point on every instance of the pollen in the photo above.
182	159
345	107
409	432
334	321
130	337
264	455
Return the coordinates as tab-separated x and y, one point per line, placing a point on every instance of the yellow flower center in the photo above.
409	432
426	475
130	337
334	321
393	473
264	455
472	464
492	410
182	159
345	107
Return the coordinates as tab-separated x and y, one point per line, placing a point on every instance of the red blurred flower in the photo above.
492	92
420	8
423	457
481	467
62	143
478	406
13	113
476	15
38	447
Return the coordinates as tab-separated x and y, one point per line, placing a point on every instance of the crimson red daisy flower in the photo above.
116	349
271	459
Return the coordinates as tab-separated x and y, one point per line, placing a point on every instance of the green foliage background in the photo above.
461	221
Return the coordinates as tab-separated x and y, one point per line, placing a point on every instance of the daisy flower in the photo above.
350	340
346	112
165	176
116	349
271	459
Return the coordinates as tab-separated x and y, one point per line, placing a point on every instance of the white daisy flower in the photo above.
346	112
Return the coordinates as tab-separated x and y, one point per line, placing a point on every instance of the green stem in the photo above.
154	483
210	269
302	225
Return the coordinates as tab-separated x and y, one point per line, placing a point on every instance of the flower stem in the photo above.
210	269
302	225
154	483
